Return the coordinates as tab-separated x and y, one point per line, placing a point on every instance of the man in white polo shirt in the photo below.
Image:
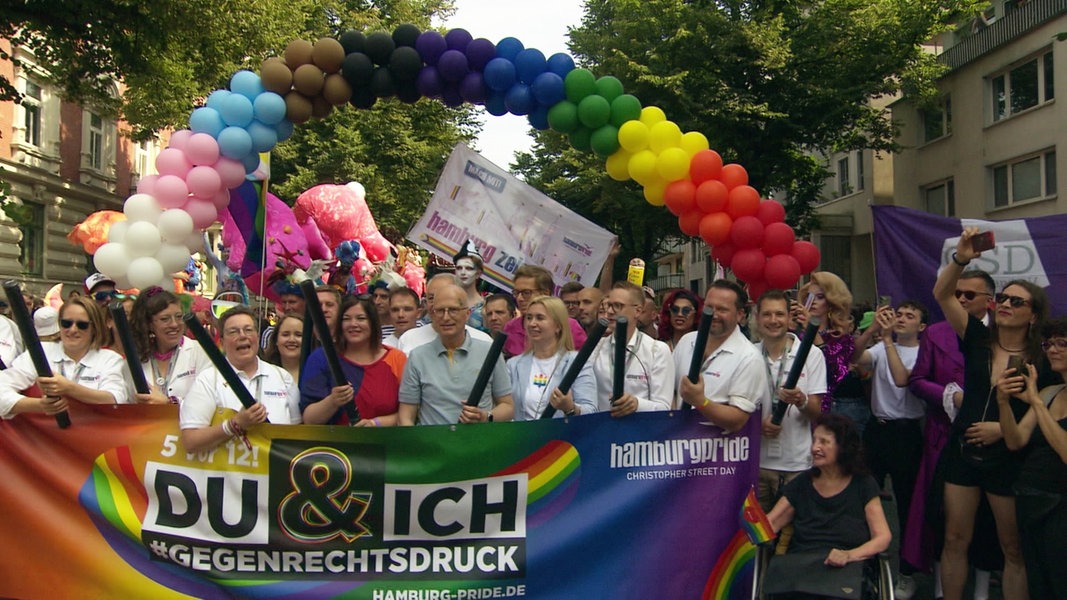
424	335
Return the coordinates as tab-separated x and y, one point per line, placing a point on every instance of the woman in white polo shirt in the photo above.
170	360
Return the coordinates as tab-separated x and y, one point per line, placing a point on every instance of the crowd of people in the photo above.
960	422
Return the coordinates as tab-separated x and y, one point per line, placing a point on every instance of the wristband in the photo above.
707	401
377	423
573	411
226	428
957	261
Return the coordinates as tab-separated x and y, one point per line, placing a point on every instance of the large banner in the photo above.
912	246
511	223
589	507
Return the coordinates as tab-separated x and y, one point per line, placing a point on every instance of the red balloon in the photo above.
680	196
770	211
744	202
723	253
807	255
712	196
734	175
778	239
756	289
782	271
747	232
715	228
748	264
689	223
705	165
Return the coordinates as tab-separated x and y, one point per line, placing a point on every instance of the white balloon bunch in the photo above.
145	249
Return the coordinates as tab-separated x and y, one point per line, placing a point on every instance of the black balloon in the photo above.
380	47
362	98
357	69
408	92
353	41
382	84
405	35
405	63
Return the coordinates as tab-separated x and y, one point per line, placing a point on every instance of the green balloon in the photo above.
580	139
609	87
625	108
594	111
605	140
563	117
578	84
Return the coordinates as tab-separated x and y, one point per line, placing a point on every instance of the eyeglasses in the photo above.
68	323
1015	301
125	296
234	332
524	293
168	319
1059	344
572	303
355	318
104	296
970	295
618	306
448	311
684	311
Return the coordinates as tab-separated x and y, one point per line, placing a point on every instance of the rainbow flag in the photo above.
248	207
732	570
754	521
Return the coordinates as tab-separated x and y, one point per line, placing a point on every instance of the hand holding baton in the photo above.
698	350
122	325
23	319
221	364
618	379
579	361
314	308
798	365
487	368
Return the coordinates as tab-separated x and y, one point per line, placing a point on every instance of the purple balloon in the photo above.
548	88
560	64
429	82
529	64
430	45
472	88
450	95
453	65
479	52
509	48
499	74
494	104
457	39
520	100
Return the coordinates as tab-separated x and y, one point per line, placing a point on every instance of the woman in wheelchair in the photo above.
837	518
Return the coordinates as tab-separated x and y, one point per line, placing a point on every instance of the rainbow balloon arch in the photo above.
225	137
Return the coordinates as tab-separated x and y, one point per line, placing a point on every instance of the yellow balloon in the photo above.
642	167
650	115
618	165
663	135
693	142
673	164
654	192
633	136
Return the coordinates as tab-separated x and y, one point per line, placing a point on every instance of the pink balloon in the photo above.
231	172
221	200
146	184
171	191
202	149
338	210
376	246
179	139
203	182
203	212
172	161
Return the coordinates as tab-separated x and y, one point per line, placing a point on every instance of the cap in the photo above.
649	292
866	321
96	279
46	321
468	250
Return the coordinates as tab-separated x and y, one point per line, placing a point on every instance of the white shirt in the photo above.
10	340
97	370
791	450
887	400
271	386
733	374
424	335
649	372
188	361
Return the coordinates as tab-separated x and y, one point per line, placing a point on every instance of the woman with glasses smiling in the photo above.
170	361
81	369
679	316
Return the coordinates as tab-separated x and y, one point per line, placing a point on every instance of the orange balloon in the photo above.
712	196
706	164
91	233
715	228
734	175
680	197
744	202
689	223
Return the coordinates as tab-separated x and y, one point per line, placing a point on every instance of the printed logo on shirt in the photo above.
540	380
189	373
275	393
714	373
89	377
637	376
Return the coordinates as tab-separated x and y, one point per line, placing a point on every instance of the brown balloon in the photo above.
276	76
320	108
307	79
336	90
297	53
328	54
297	107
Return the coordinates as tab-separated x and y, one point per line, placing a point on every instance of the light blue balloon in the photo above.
236	110
285	129
264	137
246	83
206	120
268	108
235	143
216	98
251	162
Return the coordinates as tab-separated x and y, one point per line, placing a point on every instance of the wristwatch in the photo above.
489	416
571	412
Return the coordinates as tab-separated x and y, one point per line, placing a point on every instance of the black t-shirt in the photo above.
979	396
839	521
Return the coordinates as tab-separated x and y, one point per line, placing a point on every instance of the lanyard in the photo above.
773	382
163	382
77	371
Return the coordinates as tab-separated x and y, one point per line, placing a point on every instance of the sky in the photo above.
540	24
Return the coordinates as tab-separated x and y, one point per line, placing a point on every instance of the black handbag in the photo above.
985	457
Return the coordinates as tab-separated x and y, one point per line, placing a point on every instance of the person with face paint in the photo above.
469	270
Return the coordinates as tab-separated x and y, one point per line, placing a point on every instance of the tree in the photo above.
768	82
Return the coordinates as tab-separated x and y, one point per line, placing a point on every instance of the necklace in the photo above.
1009	349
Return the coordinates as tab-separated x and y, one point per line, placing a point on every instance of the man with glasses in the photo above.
101	288
276	394
438	375
569	295
424	335
648	384
532	281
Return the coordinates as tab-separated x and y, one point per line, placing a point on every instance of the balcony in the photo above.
1014	24
667	282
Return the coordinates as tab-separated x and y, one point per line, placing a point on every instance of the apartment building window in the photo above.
836	255
1022	87
31	111
144	162
31	247
859	170
843	186
937	122
96	141
1029	178
940	198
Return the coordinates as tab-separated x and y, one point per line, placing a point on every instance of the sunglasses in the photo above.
68	323
1015	301
104	296
681	310
970	295
1058	344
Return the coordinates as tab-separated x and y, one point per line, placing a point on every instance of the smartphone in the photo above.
809	301
1018	363
983	241
885	300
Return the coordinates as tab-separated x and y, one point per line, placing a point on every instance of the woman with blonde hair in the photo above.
536	374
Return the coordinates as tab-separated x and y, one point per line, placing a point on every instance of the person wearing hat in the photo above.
100	287
469	269
46	322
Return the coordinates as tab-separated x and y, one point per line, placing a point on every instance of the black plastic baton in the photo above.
122	325
698	350
798	365
220	362
487	368
618	379
22	318
314	307
579	361
306	337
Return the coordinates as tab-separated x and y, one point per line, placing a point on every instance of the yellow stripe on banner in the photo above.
550	473
119	497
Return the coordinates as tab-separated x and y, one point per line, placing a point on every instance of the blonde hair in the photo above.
101	334
557	311
838	299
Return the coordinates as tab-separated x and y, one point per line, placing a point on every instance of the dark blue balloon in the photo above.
560	64
457	39
472	88
453	65
509	48
430	45
494	104
529	64
520	100
450	95
499	74
539	118
429	82
479	52
548	88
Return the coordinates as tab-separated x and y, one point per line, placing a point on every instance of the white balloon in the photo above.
358	188
142	207
111	259
122	283
195	242
175	225
142	239
173	257
145	272
117	231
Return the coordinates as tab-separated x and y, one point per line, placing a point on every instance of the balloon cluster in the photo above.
152	243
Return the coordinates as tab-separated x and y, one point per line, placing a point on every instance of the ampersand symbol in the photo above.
322	505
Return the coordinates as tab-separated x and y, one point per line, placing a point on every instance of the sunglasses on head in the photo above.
1015	301
683	311
969	295
68	323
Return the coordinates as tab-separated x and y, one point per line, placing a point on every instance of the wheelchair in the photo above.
878	581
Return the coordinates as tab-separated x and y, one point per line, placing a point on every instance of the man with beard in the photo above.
589	306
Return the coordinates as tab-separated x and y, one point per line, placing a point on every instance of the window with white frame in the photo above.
937	121
145	163
31	246
940	198
96	141
31	114
843	185
1028	178
1022	87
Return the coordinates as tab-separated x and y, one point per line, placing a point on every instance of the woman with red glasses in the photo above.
976	460
680	315
81	369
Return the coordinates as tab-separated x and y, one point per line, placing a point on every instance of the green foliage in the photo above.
21	214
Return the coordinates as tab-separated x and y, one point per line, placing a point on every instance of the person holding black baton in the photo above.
170	361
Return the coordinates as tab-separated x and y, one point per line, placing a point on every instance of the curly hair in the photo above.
849	444
149	304
666	328
838	299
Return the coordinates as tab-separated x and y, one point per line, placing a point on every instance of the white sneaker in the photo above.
905	588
